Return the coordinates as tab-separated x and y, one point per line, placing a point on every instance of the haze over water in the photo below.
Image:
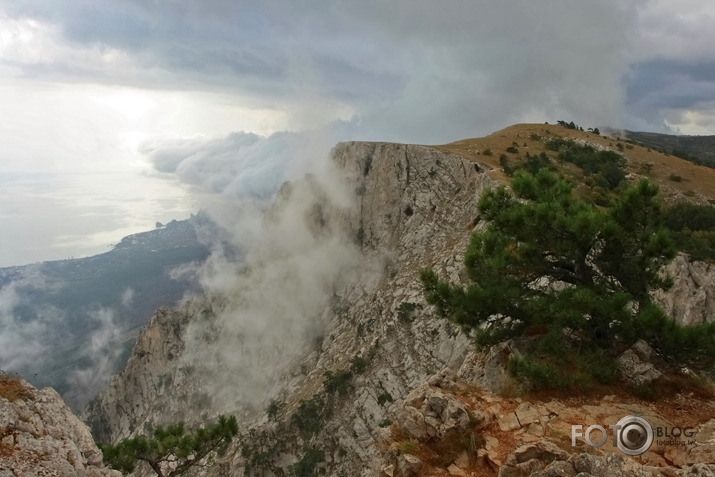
54	216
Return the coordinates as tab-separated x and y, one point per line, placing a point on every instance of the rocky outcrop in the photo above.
143	395
409	207
513	437
691	300
419	379
39	435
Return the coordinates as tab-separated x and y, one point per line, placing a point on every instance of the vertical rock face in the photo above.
141	396
39	435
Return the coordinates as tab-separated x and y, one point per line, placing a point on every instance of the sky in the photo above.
119	114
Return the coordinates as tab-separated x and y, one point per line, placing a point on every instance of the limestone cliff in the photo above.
39	435
408	207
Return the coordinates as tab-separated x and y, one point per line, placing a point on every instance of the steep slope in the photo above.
374	342
412	206
39	435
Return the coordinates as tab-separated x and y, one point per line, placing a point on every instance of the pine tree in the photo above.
550	264
172	447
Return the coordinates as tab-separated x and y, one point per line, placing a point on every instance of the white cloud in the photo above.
25	330
101	351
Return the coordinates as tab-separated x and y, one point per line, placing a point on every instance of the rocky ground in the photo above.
39	435
450	427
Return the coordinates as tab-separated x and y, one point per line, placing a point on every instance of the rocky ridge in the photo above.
39	435
412	207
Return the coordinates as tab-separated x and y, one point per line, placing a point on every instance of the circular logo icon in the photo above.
634	435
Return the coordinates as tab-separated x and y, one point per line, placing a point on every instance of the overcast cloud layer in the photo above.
220	93
410	70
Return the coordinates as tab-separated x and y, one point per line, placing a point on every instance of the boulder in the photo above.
636	366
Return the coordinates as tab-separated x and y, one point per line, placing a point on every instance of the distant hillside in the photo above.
679	179
79	312
698	149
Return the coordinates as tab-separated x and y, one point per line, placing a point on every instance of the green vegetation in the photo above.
171	444
606	168
308	418
307	465
570	125
531	163
274	408
697	149
358	365
339	382
693	228
260	448
385	397
573	278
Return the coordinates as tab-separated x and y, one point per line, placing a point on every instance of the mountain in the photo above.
324	346
698	149
73	321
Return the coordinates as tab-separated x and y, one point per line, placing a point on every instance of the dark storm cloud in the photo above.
671	83
417	71
666	89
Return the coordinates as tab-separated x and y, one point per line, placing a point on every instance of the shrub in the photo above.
384	398
675	178
645	391
307	465
367	165
536	375
358	365
338	382
12	388
504	163
408	447
488	152
609	165
274	408
512	150
308	418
